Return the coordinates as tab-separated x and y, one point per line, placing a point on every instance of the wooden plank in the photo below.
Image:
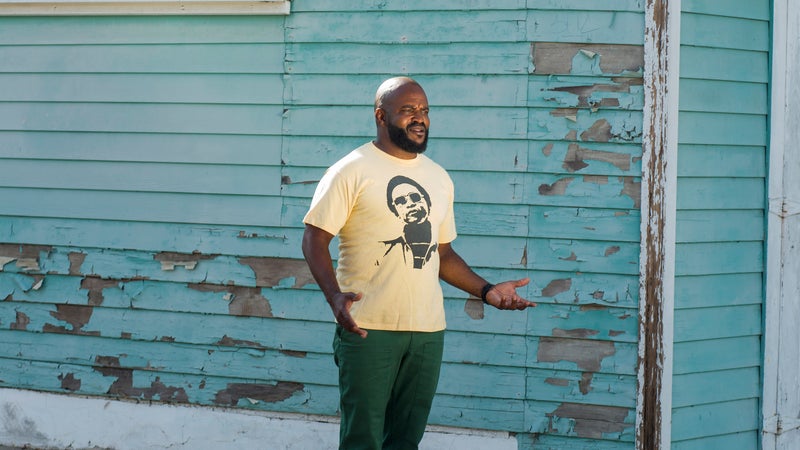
587	289
581	387
723	96
745	440
582	191
723	129
142	206
585	223
549	442
577	420
585	158
718	322
595	93
151	58
720	225
734	8
556	353
503	220
591	26
557	58
704	291
703	30
477	412
390	27
471	58
724	64
713	387
570	255
247	89
413	5
451	122
729	161
721	193
719	258
254	240
717	354
140	30
715	419
142	118
141	147
584	126
255	393
143	177
451	90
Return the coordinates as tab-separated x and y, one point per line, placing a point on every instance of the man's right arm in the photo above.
316	244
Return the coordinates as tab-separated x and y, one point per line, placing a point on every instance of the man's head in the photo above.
408	200
401	116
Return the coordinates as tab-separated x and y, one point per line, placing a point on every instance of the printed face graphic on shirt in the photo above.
410	202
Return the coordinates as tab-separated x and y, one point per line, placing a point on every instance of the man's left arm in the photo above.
455	271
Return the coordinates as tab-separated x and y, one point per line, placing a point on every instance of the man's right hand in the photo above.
340	305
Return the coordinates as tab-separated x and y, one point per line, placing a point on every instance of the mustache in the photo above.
417	124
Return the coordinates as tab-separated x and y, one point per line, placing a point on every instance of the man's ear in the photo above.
380	116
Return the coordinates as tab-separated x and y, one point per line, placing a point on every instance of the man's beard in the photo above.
399	138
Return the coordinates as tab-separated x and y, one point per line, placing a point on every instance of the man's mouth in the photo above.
418	130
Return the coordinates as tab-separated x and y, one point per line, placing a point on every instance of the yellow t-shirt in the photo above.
390	215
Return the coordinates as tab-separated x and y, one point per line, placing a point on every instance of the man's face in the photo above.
407	119
410	204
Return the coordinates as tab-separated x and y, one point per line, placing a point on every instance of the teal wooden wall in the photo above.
156	169
721	215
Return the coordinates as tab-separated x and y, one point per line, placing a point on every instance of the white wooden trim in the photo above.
781	400
44	420
142	7
659	218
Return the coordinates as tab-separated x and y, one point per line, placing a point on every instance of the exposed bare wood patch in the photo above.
555	58
585	92
556	287
77	316
123	386
75	262
264	392
69	382
294	353
95	286
600	131
171	260
557	381
586	354
589	421
611	250
271	271
585	385
576	157
557	188
547	150
580	333
474	308
22	321
632	189
230	342
26	256
572	257
596	179
244	301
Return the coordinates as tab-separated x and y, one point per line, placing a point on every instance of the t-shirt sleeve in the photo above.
331	203
447	231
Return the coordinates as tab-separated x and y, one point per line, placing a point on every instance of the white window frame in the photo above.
142	7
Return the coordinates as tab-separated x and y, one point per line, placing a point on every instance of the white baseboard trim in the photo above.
55	421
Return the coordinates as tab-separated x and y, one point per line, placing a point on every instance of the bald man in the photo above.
392	208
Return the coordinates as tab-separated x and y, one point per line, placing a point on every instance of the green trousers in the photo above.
386	382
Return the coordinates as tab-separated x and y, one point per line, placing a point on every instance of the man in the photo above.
389	310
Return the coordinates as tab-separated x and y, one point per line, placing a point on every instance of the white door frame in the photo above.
658	206
781	401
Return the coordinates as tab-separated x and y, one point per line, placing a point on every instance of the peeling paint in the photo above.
547	149
586	354
474	308
557	188
576	157
271	271
69	382
557	381
171	260
611	250
243	301
95	286
75	315
585	385
294	353
556	287
632	189
26	256
574	333
585	92
556	58
230	342
123	386
264	392
22	321
588	421
76	260
600	131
